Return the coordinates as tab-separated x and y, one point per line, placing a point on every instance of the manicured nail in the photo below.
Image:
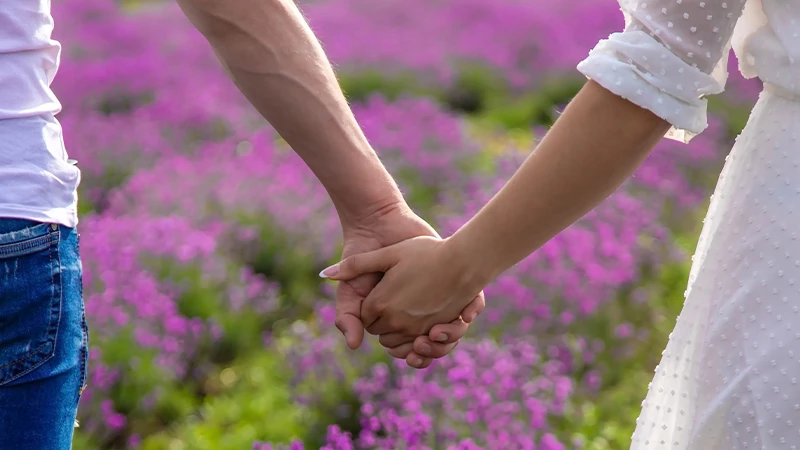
329	271
441	338
425	349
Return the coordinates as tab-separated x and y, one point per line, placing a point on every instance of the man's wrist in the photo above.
359	185
358	211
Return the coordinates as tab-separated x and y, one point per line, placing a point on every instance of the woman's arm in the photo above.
650	77
592	149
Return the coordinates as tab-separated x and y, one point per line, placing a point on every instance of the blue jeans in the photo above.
43	336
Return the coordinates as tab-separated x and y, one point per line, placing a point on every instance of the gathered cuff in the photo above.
635	66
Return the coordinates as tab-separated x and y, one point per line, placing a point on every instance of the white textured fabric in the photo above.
671	55
36	180
729	378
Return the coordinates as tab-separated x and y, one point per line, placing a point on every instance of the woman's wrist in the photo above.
473	269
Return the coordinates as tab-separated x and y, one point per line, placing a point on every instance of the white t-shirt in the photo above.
37	181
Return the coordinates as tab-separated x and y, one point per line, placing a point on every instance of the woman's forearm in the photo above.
591	150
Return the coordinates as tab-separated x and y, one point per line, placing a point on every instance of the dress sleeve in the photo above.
671	54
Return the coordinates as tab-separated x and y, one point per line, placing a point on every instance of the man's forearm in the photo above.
275	60
592	149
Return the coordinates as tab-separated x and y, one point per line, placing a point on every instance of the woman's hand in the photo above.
390	225
426	282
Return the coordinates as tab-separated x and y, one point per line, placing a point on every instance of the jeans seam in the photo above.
84	360
84	325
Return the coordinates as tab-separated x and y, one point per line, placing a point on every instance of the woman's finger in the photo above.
377	261
422	363
412	359
424	347
474	308
447	333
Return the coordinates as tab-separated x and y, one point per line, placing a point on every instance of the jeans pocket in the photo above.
30	299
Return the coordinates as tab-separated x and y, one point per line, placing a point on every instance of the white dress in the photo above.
730	375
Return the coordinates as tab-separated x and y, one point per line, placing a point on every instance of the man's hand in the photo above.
424	285
392	224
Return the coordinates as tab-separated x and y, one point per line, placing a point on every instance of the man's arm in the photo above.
275	60
273	57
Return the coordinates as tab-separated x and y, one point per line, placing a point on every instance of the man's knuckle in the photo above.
395	323
349	264
376	307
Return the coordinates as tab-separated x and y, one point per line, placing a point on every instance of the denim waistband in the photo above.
9	225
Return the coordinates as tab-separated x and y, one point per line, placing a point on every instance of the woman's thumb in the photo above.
359	264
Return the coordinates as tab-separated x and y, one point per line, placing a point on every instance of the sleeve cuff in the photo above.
637	67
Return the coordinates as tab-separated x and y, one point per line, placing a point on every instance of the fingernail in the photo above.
329	271
425	349
441	338
416	362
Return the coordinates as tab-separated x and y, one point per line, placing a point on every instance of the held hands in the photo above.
391	224
425	292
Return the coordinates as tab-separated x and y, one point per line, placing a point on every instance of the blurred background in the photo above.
203	234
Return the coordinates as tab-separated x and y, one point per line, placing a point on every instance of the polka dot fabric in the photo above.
671	54
729	377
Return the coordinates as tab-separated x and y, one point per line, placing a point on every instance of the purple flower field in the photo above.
202	234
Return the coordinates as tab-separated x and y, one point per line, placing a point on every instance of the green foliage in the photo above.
361	85
251	401
81	441
735	116
477	91
283	260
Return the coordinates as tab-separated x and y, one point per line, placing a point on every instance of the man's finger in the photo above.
380	325
348	315
401	351
372	308
392	340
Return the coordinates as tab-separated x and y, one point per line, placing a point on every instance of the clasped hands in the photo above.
400	281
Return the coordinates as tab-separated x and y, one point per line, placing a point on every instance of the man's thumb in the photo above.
352	329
